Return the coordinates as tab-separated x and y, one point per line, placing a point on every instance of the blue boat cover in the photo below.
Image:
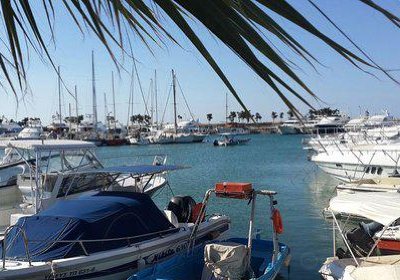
105	215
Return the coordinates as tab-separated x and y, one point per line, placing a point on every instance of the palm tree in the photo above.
290	114
274	115
240	25
281	115
247	115
209	117
232	116
258	117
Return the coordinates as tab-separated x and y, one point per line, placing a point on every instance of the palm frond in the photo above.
242	25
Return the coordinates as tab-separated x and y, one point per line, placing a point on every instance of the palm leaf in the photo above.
242	25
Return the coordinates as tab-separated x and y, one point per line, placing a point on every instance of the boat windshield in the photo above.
80	183
19	162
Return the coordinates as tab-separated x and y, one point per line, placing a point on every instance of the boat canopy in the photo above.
47	145
134	170
56	233
383	208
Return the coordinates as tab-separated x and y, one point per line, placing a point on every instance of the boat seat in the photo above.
171	217
226	260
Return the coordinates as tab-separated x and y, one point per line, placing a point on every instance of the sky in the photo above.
336	82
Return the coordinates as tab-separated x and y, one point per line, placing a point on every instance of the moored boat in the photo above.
230	140
104	236
235	258
370	252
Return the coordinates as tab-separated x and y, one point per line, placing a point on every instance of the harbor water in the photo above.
274	162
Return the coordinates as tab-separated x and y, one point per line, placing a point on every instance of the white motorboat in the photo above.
230	140
35	174
355	163
362	259
389	184
109	235
331	124
291	126
137	140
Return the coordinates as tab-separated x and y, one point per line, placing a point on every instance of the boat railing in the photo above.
80	242
28	256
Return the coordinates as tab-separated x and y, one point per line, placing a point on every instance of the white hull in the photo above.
286	129
136	141
116	264
384	267
350	164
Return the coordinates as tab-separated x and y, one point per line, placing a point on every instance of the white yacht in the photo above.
354	163
32	130
35	174
291	126
384	119
331	124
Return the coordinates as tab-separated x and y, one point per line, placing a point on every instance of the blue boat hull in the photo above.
190	266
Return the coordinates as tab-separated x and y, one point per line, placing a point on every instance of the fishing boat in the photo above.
369	251
230	140
234	258
109	235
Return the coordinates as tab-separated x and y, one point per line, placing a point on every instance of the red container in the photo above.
234	190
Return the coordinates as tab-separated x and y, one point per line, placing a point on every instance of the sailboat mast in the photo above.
151	102
105	110
155	93
226	107
174	92
59	96
76	103
94	95
113	92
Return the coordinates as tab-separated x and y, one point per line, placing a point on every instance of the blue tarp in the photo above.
105	215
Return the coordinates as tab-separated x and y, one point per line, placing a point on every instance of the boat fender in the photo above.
277	221
196	212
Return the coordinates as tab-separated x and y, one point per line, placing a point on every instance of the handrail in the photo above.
28	256
80	242
105	239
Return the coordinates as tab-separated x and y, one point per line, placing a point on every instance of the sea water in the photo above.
274	162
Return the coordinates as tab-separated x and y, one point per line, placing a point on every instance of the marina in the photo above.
199	140
207	168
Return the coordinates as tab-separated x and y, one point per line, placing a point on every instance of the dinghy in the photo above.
235	258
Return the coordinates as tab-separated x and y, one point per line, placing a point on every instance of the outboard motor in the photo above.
361	240
182	207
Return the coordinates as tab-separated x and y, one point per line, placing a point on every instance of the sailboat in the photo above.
90	130
183	132
116	132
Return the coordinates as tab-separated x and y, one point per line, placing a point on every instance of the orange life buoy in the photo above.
196	212
277	221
